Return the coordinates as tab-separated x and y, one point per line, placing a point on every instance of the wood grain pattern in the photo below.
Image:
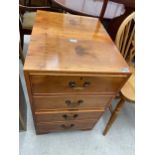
75	84
82	48
71	102
50	116
72	70
65	126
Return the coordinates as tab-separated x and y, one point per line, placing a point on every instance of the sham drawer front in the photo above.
70	102
64	126
43	84
68	115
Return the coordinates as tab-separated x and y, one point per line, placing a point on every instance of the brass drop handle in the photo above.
70	117
67	127
73	104
72	84
86	84
75	115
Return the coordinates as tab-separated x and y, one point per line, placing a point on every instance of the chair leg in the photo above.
114	115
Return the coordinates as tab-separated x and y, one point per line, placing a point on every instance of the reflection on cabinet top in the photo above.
72	44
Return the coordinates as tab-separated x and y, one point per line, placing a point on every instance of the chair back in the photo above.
125	38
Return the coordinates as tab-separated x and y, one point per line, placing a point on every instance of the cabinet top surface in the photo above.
69	43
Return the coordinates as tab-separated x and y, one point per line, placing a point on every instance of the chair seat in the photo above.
28	20
128	90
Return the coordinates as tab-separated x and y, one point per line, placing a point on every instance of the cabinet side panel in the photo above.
123	83
28	85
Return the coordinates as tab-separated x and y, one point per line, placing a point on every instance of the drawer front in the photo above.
64	126
42	84
67	115
70	102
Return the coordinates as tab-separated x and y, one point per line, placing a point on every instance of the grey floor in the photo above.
119	141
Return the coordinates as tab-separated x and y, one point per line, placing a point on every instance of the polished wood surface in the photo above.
49	116
46	127
72	70
44	103
89	7
75	84
88	48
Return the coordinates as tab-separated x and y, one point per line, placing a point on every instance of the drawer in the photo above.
64	126
70	102
67	115
41	84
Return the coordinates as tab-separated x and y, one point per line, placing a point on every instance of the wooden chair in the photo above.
26	19
125	43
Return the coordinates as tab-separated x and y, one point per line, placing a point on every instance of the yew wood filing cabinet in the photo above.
73	70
